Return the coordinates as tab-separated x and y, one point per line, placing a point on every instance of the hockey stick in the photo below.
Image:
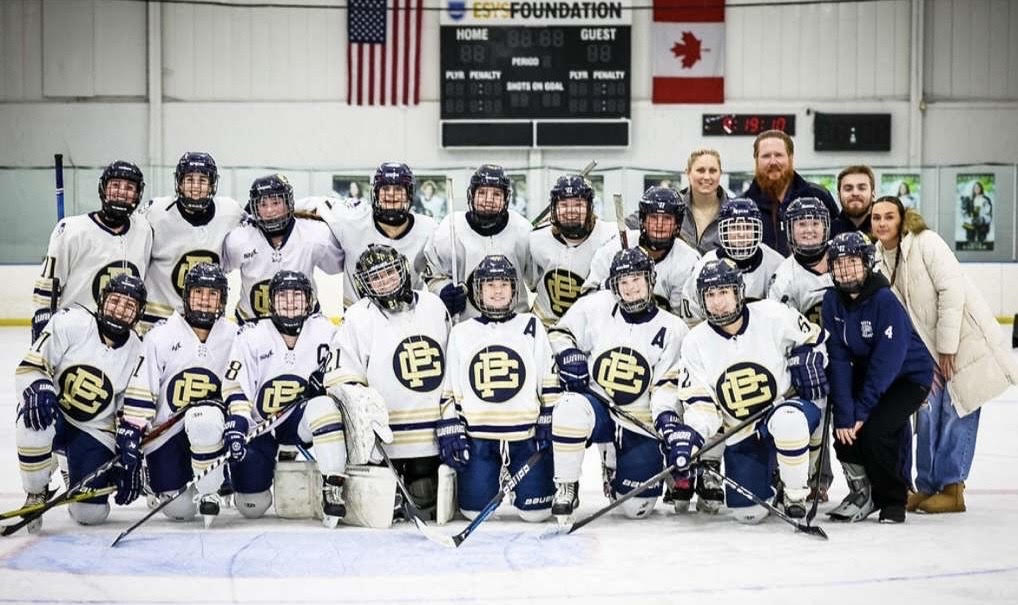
810	530
620	220
547	209
58	167
79	497
824	447
489	508
259	429
409	506
452	237
70	492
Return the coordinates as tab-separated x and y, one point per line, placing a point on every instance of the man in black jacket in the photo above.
856	193
777	183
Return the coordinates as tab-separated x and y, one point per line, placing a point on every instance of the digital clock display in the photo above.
746	124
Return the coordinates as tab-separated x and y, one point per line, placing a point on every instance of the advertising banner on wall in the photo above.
973	224
906	186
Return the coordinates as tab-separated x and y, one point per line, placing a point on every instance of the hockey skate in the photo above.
794	507
333	505
710	490
35	525
858	504
566	500
208	507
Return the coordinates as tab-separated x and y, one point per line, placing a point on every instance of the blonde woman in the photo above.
961	333
702	200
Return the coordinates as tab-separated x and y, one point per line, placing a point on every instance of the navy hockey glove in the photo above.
129	445
316	384
679	441
542	430
806	369
573	372
235	437
128	483
39	321
454	297
453	446
39	404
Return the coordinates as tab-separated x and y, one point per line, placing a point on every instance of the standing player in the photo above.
486	228
275	240
188	229
85	251
498	397
270	371
393	341
635	351
180	369
387	221
743	358
561	253
674	259
72	382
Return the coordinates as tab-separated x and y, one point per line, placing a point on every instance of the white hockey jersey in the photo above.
402	356
471	248
177	369
757	280
800	288
499	376
632	365
724	379
309	244
89	376
558	268
177	246
264	375
84	255
355	229
672	271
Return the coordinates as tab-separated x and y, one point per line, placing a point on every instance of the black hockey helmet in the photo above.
567	187
735	217
204	275
290	281
659	200
806	209
851	244
632	261
494	267
488	175
716	274
400	175
128	285
117	212
273	185
377	264
201	163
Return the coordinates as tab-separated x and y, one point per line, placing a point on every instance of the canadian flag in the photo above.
688	51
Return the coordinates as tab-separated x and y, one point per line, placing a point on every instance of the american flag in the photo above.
383	54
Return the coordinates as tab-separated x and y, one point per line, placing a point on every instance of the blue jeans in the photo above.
945	443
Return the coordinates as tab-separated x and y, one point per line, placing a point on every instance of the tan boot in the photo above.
915	499
951	499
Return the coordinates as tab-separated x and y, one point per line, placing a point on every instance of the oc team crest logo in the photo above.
623	374
85	391
105	274
497	374
192	385
745	387
418	364
280	392
563	289
187	262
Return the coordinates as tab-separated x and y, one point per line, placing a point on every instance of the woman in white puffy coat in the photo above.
962	334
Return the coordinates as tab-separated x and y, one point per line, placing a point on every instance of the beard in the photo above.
855	210
774	185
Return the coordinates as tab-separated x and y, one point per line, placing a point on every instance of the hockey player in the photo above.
72	382
387	221
183	360
740	235
743	358
275	240
498	396
269	372
634	348
486	228
85	251
188	229
561	253
393	341
673	258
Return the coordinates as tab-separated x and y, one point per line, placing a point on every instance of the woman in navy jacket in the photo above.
880	373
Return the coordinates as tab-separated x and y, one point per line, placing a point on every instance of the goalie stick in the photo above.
620	220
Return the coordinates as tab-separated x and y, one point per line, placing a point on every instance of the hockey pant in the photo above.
478	483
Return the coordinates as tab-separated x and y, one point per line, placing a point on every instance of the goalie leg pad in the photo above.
364	415
298	490
253	506
322	425
748	462
369	494
445	507
572	425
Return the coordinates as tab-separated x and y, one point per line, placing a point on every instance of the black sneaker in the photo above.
893	513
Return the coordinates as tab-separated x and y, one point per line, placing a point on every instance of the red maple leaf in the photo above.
688	49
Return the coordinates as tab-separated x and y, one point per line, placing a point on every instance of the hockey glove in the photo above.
235	437
679	442
573	372
128	483
542	430
453	445
806	370
454	297
39	404
316	384
129	445
39	321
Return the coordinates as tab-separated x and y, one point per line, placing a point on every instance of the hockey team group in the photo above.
712	356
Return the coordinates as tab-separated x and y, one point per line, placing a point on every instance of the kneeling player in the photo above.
269	373
183	359
72	381
635	348
743	358
498	397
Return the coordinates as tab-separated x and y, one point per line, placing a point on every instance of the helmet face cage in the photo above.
270	187
723	319
740	237
850	245
400	175
659	200
572	187
196	163
126	285
381	264
120	210
204	275
489	175
794	216
718	275
288	285
633	306
494	268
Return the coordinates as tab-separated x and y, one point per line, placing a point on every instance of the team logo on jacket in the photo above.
260	298
866	328
418	364
813	313
186	262
563	289
191	385
104	275
497	374
278	393
744	388
623	374
85	391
